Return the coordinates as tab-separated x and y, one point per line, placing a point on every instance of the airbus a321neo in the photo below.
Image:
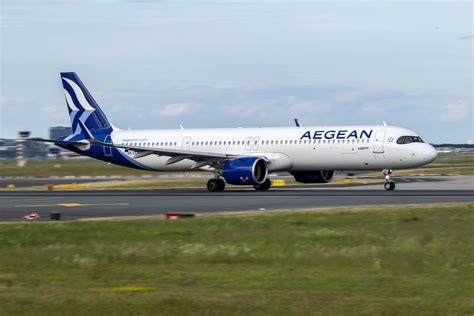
240	156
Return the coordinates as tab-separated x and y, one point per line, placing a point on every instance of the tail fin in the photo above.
82	106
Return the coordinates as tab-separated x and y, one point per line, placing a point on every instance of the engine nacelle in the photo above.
314	176
245	170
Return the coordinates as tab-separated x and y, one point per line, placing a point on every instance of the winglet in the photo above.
384	124
297	122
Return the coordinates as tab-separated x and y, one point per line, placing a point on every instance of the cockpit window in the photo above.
409	139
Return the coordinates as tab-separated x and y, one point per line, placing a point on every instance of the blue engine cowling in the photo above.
314	176
245	170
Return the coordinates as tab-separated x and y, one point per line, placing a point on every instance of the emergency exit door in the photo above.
186	143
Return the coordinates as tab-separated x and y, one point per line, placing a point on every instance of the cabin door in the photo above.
379	141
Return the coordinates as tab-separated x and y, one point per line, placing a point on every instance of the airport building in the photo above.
21	149
58	131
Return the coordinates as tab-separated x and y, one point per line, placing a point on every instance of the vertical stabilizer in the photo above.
82	106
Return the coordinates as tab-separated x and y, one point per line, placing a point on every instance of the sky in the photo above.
159	64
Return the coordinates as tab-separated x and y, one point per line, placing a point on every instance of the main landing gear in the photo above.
389	185
216	185
263	186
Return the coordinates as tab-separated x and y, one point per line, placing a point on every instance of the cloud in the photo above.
454	111
467	37
308	107
176	109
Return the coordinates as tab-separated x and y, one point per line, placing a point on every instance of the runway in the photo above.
87	204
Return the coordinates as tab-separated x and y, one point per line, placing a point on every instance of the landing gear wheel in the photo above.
215	185
389	186
221	184
263	186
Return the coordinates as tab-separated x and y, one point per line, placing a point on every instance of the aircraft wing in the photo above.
176	155
201	158
184	154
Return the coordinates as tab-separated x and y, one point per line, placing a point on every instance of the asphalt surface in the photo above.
86	204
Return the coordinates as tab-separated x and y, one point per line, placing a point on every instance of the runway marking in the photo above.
74	205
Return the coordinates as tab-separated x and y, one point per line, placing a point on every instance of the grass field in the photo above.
61	168
387	261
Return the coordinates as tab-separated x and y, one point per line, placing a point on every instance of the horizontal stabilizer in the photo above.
58	141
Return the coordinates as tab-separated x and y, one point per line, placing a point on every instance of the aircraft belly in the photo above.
158	163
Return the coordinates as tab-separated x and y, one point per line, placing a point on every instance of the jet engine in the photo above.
245	170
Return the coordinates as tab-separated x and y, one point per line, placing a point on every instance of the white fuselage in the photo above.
287	149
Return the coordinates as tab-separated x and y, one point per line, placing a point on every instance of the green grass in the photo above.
391	261
454	158
82	167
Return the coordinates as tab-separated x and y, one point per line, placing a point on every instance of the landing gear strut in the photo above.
215	185
389	185
263	186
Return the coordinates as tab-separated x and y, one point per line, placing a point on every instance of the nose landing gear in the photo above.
389	185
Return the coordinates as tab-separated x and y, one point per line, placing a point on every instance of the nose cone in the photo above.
429	154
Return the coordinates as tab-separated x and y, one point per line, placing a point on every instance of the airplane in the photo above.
240	156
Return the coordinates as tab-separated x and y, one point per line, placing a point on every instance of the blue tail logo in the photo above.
82	106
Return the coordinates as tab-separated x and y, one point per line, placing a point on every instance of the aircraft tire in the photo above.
263	186
213	185
221	184
389	186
